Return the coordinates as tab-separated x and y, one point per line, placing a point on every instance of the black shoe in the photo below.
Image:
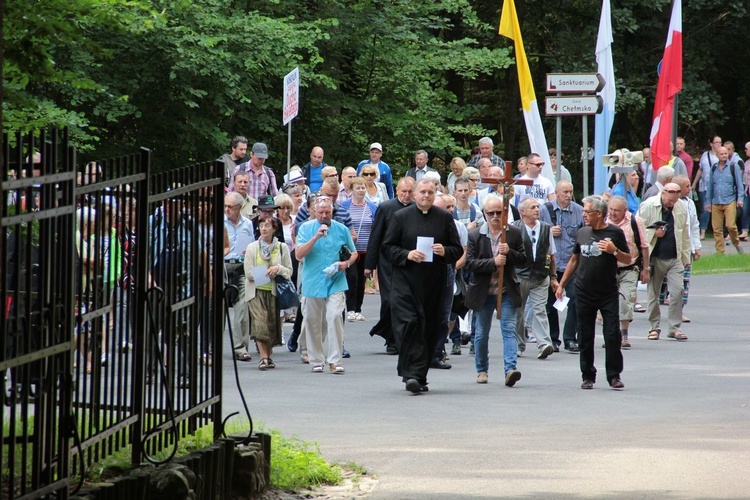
465	338
616	383
391	349
587	384
555	348
439	363
572	347
413	386
345	354
424	388
292	344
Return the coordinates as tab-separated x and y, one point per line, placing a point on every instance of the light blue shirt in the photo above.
240	237
722	188
324	253
570	221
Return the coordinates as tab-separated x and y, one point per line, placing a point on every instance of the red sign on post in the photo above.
291	95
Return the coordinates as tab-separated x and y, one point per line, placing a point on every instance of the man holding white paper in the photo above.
418	284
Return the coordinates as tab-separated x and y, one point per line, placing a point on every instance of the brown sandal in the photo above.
654	334
263	365
678	335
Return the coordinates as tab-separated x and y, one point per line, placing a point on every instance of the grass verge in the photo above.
722	264
295	464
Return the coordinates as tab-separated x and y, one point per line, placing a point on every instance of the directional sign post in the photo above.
291	109
573	105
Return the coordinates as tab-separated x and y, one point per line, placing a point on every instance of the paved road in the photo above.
680	429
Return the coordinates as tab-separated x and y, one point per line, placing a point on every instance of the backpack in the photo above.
472	214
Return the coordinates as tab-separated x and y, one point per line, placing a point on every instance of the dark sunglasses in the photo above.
494	213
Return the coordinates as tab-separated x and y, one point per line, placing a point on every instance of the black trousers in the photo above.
355	278
586	308
384	326
569	329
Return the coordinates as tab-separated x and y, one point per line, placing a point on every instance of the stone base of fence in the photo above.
222	470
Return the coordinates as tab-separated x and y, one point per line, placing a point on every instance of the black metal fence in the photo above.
110	314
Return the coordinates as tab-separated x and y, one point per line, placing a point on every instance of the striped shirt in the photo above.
362	218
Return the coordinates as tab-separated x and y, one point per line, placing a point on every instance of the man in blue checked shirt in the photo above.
723	196
566	218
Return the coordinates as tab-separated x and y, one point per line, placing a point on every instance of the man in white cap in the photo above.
384	171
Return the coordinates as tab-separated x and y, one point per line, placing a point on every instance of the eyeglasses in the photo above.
536	164
494	213
673	191
533	236
716	142
590	211
473	179
368	174
332	175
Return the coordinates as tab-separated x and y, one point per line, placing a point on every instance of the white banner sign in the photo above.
291	95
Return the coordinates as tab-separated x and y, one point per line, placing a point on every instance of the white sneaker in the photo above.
351	316
359	317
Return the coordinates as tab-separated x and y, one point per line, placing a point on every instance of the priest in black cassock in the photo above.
417	285
374	259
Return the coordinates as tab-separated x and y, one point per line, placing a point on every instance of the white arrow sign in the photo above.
573	105
577	83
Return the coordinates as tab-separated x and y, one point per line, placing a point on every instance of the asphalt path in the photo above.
680	429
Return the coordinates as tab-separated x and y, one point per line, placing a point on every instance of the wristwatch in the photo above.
616	251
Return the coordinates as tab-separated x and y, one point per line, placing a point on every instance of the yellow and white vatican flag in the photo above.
510	28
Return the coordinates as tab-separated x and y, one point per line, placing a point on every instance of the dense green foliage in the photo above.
183	76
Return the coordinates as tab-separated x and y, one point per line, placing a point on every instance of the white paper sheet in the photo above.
424	245
561	304
259	275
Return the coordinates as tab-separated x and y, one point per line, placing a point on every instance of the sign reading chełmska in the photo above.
291	95
573	105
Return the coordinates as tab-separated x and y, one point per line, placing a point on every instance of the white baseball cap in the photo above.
376	145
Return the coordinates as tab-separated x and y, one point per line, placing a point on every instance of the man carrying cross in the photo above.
487	256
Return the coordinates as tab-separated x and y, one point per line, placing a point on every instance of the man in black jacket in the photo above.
374	260
536	276
420	241
484	255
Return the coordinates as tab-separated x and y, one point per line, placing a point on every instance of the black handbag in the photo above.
286	293
344	253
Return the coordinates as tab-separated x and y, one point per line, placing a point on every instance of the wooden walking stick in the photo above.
506	181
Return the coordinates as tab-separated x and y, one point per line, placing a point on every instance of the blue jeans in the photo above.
745	214
703	216
508	328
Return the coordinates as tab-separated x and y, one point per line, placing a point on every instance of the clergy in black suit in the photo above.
417	286
375	260
484	254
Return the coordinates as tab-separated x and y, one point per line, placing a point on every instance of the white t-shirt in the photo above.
540	190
